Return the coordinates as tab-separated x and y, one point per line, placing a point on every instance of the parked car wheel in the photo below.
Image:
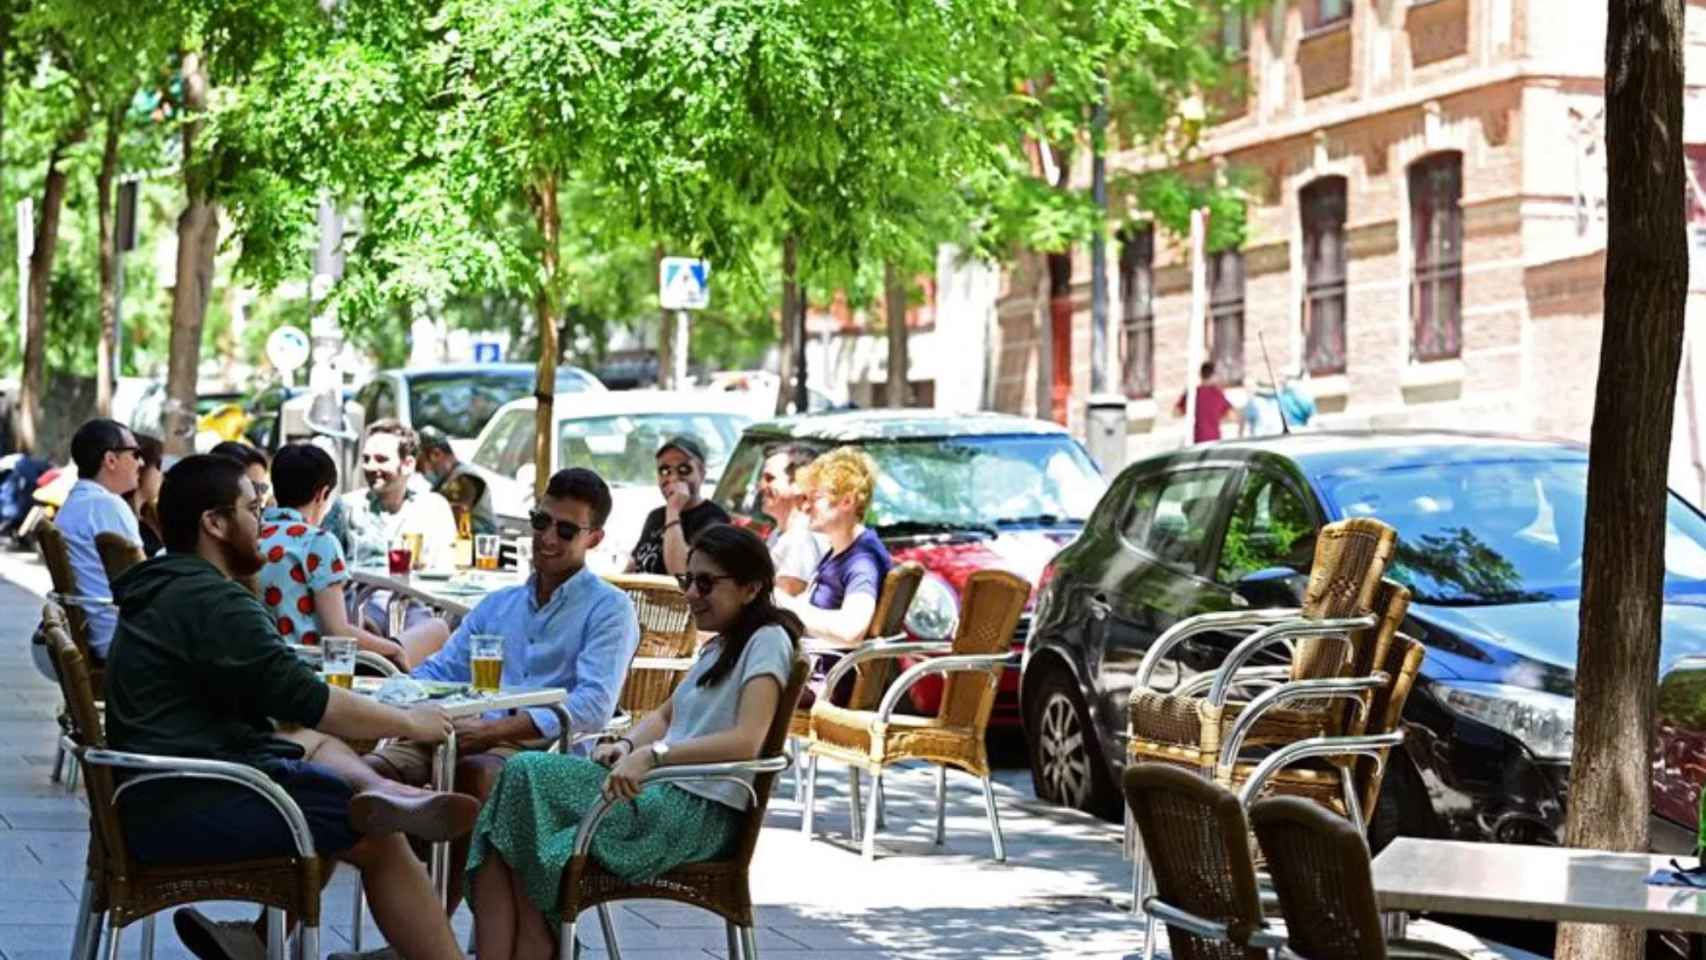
1401	809
1066	761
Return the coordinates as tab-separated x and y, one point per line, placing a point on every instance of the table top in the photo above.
1534	883
446	593
468	704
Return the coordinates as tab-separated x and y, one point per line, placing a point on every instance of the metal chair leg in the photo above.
85	914
874	816
58	764
308	943
941	804
794	766
608	927
811	796
994	821
1140	891
148	937
73	774
92	943
748	944
275	934
854	805
358	921
733	935
882	805
113	936
568	948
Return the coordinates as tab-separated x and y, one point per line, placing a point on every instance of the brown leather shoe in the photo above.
429	816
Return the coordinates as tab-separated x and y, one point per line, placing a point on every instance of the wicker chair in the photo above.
1181	727
56	556
667	632
720	886
118	554
1199	841
117	891
1320	870
871	740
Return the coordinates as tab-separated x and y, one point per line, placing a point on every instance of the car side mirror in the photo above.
1271	587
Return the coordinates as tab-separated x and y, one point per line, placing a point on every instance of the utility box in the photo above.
1105	432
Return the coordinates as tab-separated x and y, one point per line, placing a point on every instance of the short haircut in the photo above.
579	483
432	438
798	454
153	452
192	487
241	452
844	472
299	472
1206	370
92	442
407	443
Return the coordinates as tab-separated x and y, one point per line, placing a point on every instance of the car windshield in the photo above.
1490	533
623	448
981	482
461	403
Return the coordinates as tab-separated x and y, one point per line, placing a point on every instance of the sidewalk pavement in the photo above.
1063	892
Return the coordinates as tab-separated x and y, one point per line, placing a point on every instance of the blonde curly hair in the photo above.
842	472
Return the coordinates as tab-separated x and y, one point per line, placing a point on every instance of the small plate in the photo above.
435	574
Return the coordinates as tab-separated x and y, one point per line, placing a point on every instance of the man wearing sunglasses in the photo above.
565	627
109	466
670	529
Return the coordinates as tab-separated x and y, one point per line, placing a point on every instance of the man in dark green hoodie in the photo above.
197	668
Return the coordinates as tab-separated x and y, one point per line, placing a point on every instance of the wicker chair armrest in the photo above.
1331	688
81	600
956	663
366	658
1261	939
1281	633
880	649
1373	745
617	724
1249	675
1205	623
191	768
726	772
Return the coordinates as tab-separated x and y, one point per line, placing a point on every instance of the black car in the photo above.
1490	541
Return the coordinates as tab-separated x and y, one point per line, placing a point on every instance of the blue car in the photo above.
1490	543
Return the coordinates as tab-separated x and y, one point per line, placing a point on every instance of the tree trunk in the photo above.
41	273
894	307
198	230
545	381
666	336
793	324
106	363
1646	283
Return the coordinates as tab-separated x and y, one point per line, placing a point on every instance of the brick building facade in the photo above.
1426	231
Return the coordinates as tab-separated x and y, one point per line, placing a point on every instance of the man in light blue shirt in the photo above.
565	627
109	465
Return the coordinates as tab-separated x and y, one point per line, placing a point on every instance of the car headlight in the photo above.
935	610
1543	722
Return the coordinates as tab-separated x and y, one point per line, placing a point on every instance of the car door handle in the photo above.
1098	607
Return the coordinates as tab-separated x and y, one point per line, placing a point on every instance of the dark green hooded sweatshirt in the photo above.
197	668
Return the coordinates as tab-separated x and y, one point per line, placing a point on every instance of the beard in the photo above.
242	557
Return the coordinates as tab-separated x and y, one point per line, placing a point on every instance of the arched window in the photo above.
1436	248
1323	207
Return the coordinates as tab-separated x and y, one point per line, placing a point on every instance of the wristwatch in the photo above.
660	750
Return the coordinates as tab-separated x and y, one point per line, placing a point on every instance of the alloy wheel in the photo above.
1064	761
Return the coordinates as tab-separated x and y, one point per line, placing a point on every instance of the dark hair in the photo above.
1206	370
92	442
798	455
407	443
153	451
299	472
579	483
241	452
432	438
192	487
739	553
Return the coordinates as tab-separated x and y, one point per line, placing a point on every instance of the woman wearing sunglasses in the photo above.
720	712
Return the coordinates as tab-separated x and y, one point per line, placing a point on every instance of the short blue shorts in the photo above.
239	824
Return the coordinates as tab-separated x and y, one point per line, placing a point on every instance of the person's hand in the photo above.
475	735
427	723
607	754
624	780
675	497
394	652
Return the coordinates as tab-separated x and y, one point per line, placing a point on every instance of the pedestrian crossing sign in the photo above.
684	283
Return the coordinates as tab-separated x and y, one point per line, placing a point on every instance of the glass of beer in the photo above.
401	559
487	662
337	661
413	541
486	551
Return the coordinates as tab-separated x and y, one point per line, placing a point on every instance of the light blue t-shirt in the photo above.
92	509
696	711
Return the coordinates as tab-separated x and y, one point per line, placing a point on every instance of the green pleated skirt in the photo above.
533	815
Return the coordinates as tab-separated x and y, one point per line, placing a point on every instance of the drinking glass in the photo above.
486	551
486	661
401	559
337	661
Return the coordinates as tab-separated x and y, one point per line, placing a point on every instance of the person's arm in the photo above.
352	715
601	666
333	619
843	627
450	663
792	586
674	545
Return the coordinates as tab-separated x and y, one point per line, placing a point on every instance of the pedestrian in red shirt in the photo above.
1212	409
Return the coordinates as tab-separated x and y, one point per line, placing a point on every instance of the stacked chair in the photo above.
74	605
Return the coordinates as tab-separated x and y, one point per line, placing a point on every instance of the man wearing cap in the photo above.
671	528
454	481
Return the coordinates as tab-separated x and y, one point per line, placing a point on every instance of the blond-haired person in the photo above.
838	605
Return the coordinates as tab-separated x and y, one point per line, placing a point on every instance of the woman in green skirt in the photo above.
720	712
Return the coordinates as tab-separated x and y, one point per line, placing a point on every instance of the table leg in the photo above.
398	614
1395	924
443	779
566	741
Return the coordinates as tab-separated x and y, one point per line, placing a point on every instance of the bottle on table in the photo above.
463	550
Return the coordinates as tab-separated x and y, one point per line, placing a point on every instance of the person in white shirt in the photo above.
391	507
794	548
109	466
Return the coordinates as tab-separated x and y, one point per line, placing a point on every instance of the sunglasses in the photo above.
682	470
703	582
133	451
542	521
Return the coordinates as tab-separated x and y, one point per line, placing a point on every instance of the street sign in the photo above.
684	283
287	349
488	351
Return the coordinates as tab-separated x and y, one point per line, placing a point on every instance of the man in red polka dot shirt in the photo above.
302	583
